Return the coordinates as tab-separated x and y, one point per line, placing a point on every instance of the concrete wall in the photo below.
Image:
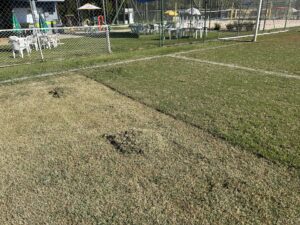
270	24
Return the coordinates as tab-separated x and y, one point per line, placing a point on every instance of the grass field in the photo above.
123	48
278	53
255	111
199	134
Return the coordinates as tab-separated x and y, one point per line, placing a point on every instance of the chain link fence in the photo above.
238	18
40	30
34	30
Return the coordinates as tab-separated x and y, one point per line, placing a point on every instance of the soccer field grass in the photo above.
93	156
194	134
123	48
278	52
257	111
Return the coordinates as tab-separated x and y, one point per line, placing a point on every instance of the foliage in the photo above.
230	26
249	26
217	26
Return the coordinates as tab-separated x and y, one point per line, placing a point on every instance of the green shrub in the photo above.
230	26
249	26
238	26
217	26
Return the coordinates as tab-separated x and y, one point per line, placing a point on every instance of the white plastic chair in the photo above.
199	28
184	27
54	40
171	28
32	41
44	40
19	45
154	28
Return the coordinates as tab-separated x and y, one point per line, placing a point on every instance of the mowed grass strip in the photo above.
84	52
255	111
278	52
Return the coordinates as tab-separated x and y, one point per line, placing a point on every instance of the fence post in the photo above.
257	20
35	21
205	20
287	14
108	45
266	14
161	43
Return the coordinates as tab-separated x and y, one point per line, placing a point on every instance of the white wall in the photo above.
24	15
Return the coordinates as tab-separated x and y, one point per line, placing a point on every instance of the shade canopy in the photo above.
193	11
171	13
144	1
88	6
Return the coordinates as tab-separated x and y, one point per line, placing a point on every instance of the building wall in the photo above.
22	10
48	9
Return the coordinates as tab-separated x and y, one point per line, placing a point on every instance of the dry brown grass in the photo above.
57	165
3	41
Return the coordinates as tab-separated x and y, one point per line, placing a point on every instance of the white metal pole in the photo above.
104	11
35	21
108	45
257	20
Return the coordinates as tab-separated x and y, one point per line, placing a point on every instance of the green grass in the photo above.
59	167
123	48
84	46
275	53
257	112
93	156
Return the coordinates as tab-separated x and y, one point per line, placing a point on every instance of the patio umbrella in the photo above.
193	12
144	1
89	7
171	13
43	24
16	24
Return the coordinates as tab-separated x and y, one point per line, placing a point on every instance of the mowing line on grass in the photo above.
251	35
189	123
203	49
233	66
79	69
107	64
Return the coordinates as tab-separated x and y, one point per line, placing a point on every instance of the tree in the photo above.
6	14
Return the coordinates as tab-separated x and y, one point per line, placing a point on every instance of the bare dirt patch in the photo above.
58	165
3	41
136	141
57	92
